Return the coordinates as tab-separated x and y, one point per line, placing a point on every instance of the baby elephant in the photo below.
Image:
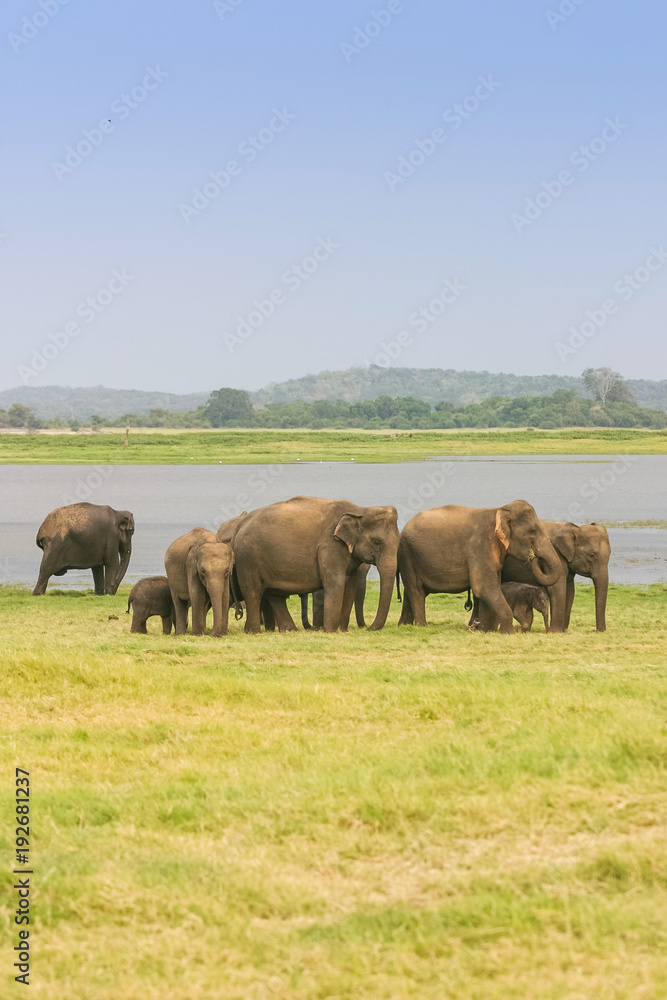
151	596
522	598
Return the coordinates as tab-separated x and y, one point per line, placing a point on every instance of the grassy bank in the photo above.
412	813
247	446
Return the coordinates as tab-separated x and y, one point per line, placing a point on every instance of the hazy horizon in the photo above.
238	192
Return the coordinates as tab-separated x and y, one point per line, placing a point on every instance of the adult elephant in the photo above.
318	604
300	545
583	550
452	549
86	536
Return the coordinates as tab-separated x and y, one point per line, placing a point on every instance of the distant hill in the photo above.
52	401
352	385
435	384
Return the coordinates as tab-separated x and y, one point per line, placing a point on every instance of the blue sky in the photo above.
312	249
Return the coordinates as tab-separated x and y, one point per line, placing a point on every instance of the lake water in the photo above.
168	500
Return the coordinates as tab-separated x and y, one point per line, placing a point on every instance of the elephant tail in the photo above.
468	604
129	602
398	586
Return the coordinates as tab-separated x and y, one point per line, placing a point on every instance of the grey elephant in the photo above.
86	536
199	569
300	545
583	550
318	604
451	549
151	596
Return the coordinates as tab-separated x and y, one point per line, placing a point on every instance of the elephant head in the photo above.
209	567
587	550
372	537
522	535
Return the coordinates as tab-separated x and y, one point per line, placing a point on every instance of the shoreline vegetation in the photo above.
239	446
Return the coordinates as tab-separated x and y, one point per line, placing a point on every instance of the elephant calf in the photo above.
522	599
149	597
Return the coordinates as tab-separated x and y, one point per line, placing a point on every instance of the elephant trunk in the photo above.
124	562
601	582
387	570
218	593
546	553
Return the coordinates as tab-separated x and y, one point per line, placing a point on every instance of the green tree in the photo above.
21	416
226	405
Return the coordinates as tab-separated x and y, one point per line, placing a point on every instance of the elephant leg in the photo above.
304	611
487	619
526	619
473	624
407	614
139	618
283	618
414	597
557	605
266	614
98	579
166	624
492	596
333	603
318	609
181	614
348	600
569	600
252	592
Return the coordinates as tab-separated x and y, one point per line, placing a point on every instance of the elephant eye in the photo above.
376	541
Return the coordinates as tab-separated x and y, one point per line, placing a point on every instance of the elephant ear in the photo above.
502	529
125	522
347	530
565	540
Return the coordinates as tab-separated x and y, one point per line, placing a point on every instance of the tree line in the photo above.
612	406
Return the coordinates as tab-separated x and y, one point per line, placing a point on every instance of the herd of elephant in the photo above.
506	557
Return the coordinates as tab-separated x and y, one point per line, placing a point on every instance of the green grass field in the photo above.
270	447
422	813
